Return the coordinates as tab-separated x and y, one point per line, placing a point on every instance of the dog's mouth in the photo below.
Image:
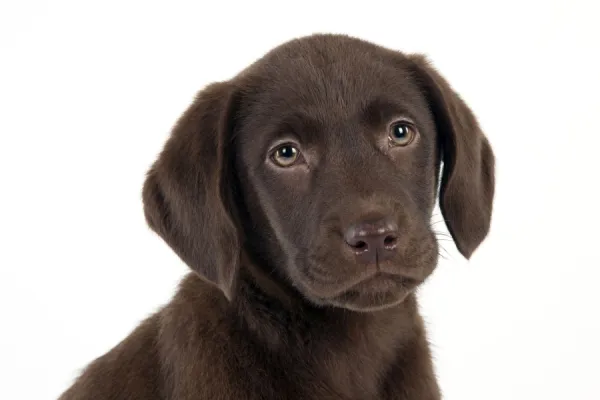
378	292
381	282
342	282
368	292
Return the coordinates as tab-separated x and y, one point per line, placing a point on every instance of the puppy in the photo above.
300	194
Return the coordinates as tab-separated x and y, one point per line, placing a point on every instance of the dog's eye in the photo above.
285	155
402	133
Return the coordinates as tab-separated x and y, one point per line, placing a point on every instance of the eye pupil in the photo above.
287	152
400	131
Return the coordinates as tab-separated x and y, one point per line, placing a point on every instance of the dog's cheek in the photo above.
421	254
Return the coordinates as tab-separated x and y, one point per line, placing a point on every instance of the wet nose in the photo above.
373	241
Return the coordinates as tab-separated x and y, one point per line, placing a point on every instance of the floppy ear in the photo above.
184	193
467	186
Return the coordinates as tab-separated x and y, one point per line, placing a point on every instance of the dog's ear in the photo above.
467	185
185	192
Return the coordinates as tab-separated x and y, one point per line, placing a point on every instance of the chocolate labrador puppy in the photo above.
300	193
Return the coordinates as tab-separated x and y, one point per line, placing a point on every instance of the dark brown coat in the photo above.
300	193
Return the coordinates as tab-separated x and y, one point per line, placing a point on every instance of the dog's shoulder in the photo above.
165	354
198	315
129	370
194	342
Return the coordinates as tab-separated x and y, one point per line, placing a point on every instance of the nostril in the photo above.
361	245
390	241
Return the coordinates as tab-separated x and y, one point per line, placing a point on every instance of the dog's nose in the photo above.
373	241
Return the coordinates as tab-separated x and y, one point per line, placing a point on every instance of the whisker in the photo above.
441	233
442	249
435	222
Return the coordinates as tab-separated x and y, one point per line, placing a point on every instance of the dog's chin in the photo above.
376	293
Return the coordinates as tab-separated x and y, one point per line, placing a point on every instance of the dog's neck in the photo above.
290	328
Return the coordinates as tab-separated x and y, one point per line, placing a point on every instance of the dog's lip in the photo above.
377	281
381	282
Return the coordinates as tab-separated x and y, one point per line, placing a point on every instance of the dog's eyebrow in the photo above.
304	127
380	110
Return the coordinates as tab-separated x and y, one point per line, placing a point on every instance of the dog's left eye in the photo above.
402	133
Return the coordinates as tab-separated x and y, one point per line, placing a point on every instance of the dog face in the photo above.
321	161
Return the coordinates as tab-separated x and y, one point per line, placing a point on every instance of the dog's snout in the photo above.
373	241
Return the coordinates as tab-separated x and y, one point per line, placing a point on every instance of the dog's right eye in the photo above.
402	134
285	155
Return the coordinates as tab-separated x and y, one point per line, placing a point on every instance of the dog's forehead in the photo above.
331	72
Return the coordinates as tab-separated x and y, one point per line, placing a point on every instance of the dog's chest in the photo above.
336	376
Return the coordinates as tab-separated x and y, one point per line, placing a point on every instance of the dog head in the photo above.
321	161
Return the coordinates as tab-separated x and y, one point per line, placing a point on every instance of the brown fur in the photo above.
279	305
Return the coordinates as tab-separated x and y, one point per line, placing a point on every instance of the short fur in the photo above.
278	306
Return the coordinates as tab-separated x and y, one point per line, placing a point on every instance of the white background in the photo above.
89	92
